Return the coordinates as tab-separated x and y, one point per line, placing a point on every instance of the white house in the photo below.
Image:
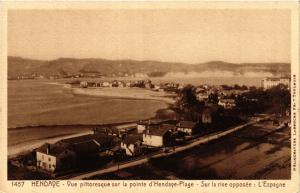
49	157
188	127
69	152
132	144
271	82
158	137
84	84
143	125
202	96
106	84
46	161
227	103
128	84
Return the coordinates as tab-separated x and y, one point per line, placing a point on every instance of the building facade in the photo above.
132	145
267	83
46	162
187	127
158	137
54	157
227	103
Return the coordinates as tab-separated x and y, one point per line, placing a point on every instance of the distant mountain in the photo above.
276	69
69	66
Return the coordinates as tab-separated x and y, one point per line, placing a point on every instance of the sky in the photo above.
190	36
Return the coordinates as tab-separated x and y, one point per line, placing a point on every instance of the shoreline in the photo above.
67	126
134	93
125	93
130	93
29	145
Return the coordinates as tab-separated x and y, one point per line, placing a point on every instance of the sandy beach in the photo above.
129	93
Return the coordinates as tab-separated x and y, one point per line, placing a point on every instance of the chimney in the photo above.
48	148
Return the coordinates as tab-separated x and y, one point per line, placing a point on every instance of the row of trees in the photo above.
234	87
274	100
189	108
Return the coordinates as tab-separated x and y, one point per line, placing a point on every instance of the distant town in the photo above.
200	114
24	69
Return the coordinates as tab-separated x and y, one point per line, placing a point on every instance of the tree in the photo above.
213	98
187	104
279	99
226	87
274	100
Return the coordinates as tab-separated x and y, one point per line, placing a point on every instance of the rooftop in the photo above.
86	147
186	124
104	140
131	139
227	100
161	130
155	122
81	145
54	149
150	122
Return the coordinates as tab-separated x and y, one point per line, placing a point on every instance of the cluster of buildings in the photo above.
148	84
109	143
218	95
118	83
225	95
38	76
69	153
268	82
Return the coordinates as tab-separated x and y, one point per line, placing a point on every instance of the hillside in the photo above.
101	67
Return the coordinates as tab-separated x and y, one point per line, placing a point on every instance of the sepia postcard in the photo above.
154	96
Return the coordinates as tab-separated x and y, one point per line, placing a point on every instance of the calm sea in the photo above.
32	103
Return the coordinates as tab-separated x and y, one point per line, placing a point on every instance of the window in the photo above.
49	159
49	166
42	156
